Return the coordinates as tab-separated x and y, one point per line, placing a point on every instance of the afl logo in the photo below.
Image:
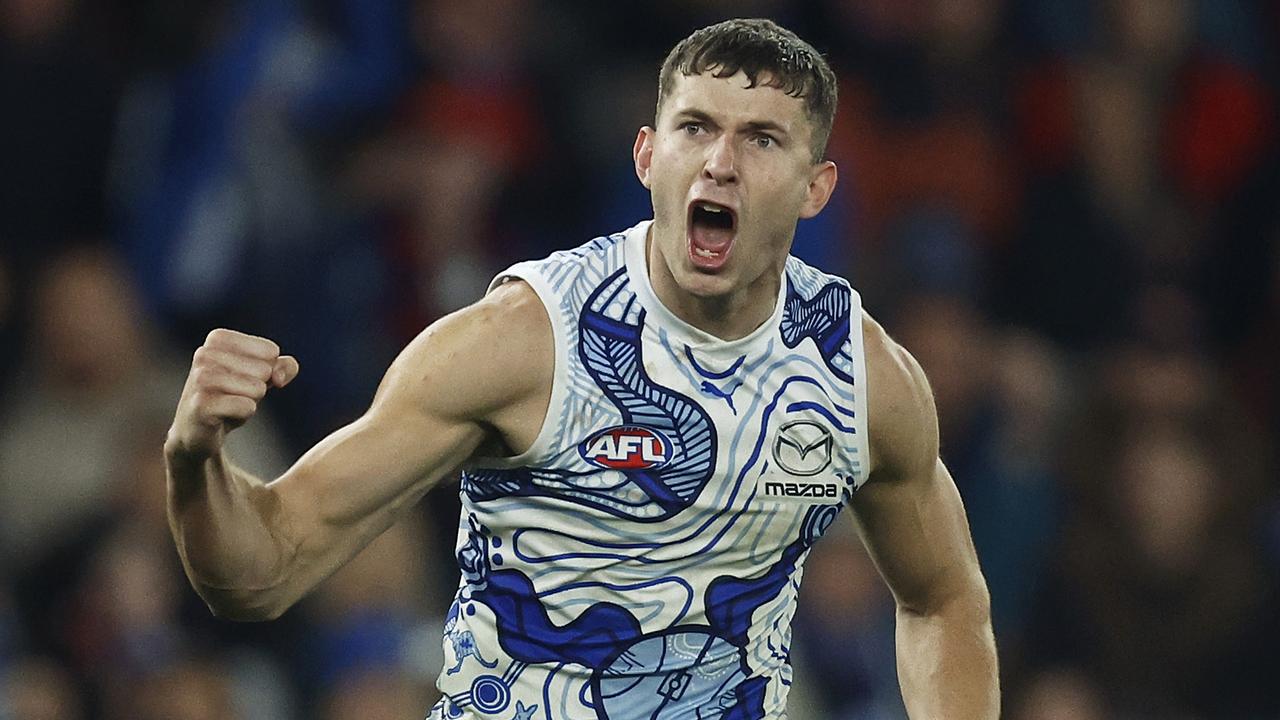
627	447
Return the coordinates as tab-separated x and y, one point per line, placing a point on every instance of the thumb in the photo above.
285	370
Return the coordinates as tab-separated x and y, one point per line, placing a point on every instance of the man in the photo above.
655	428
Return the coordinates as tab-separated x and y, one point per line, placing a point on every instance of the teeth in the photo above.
712	208
705	253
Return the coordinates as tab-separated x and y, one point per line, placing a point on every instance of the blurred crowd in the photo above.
1068	210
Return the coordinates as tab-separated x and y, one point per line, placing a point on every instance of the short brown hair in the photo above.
763	51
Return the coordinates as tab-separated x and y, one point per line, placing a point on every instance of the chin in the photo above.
704	284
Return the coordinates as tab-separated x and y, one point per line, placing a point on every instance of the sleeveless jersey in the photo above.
641	560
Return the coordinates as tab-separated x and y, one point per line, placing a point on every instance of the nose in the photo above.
721	166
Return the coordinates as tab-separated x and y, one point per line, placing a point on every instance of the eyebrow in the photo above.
753	125
767	125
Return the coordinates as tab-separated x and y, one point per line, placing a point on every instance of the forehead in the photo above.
731	100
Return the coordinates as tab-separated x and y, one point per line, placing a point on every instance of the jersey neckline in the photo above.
638	273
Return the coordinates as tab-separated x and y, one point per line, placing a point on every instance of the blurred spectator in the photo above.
38	689
1161	591
86	552
94	375
843	628
190	690
455	172
89	374
376	695
224	187
127	630
1000	403
1061	694
1241	287
9	627
216	172
59	95
378	616
124	621
1066	210
9	317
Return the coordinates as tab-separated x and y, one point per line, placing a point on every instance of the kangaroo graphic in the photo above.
464	645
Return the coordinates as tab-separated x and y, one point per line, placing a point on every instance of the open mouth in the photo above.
711	231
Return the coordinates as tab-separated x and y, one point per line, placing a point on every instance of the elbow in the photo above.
243	605
246	613
974	598
966	599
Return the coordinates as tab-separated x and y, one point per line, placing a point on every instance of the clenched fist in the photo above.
230	374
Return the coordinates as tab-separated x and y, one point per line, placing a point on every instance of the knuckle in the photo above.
199	400
228	406
244	407
205	377
204	356
262	371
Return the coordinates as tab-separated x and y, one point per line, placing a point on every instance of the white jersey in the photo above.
642	558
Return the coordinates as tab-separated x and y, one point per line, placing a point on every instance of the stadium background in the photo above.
1069	210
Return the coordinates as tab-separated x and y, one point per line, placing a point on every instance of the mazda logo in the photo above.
803	448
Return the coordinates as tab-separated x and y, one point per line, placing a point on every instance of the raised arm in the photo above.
913	523
479	377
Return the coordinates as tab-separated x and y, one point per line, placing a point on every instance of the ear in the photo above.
821	184
642	153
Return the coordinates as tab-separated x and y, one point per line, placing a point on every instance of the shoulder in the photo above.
807	279
510	312
902	417
481	359
600	252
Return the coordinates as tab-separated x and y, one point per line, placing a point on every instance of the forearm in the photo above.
231	533
947	660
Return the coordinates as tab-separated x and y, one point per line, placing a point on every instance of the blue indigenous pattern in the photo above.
642	559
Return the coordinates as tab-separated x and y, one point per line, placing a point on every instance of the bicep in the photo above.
432	410
915	529
382	462
909	513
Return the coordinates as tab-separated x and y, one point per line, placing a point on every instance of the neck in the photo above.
730	316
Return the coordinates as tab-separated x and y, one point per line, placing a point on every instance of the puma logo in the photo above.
726	395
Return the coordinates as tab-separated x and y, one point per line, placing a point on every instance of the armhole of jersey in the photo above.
528	272
861	423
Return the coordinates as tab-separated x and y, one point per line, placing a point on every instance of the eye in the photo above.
692	127
763	141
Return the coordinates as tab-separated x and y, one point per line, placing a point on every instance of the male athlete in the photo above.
654	429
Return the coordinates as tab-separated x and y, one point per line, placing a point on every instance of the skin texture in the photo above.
748	149
252	549
462	388
913	523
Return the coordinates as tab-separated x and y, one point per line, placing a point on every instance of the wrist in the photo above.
182	452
